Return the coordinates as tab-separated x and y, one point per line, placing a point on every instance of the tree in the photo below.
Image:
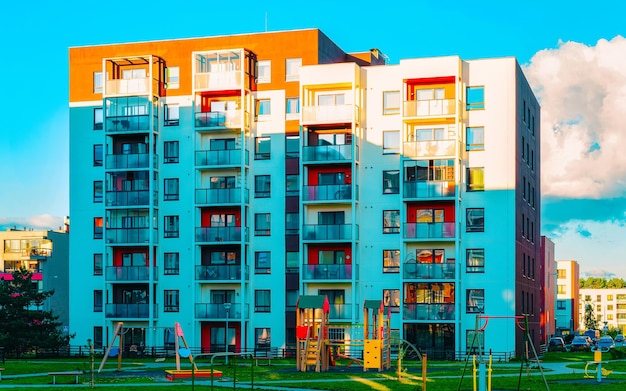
591	323
24	327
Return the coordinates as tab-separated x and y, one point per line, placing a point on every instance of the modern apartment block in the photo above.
45	253
548	299
567	284
214	180
609	307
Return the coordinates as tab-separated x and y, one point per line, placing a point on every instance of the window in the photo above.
475	98
475	258
292	223
391	102
97	337
337	99
391	298
429	215
262	148
560	305
475	138
97	192
391	261
97	264
97	118
428	170
262	262
609	297
292	108
560	289
262	300
171	263
292	261
292	146
97	227
263	107
331	257
262	222
97	301
391	182
97	155
426	134
292	69
391	221
430	94
171	227
475	220
263	341
291	184
291	299
331	218
98	82
474	340
170	152
475	301
171	189
171	300
173	77
171	115
262	186
264	71
475	178
391	141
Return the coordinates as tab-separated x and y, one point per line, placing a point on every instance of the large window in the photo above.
292	261
337	99
430	94
171	301
171	152
429	170
475	98
391	261
291	184
475	178
292	223
475	138
427	134
391	102
264	71
173	77
171	189
262	224
262	148
292	69
97	301
262	300
97	155
475	301
171	229
171	263
171	115
391	221
97	192
263	107
331	218
475	220
292	108
97	118
475	258
391	141
97	227
391	298
262	186
331	257
391	182
262	262
292	146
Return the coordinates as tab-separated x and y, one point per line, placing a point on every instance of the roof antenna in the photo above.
266	21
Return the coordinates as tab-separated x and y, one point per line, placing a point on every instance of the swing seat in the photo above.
114	352
184	352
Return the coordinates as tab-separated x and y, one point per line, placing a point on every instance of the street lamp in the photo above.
227	308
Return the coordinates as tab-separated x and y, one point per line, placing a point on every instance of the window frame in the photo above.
265	65
171	114
391	110
474	227
289	106
475	303
262	224
262	186
98	264
292	188
98	82
98	188
262	300
98	155
472	134
98	118
171	189
171	263
171	226
475	102
173	77
477	173
262	262
98	227
391	299
473	264
260	152
263	108
391	221
391	262
98	300
388	182
298	64
171	151
391	149
290	152
171	300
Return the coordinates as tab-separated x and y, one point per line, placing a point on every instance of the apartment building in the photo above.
567	304
45	253
609	307
214	180
548	299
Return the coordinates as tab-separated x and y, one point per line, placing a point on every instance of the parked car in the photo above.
606	342
594	335
580	343
556	344
619	340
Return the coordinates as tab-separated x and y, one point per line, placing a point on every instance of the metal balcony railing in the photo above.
327	272
430	311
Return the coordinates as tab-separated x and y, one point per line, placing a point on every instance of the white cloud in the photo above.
582	91
43	221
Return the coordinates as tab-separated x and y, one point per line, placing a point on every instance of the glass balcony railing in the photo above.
219	234
129	235
128	86
430	311
425	189
327	232
128	198
427	271
328	193
429	230
130	311
340	311
126	161
327	272
221	272
219	119
218	312
325	153
430	108
128	123
217	81
131	273
220	196
429	148
227	157
329	114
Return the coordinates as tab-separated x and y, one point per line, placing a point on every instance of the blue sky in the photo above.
572	51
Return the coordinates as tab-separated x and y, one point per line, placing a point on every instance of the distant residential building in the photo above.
567	291
609	307
548	299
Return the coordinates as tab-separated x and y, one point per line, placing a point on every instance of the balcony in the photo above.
129	198
332	114
342	193
430	108
121	87
129	235
427	190
429	148
328	232
340	312
224	158
429	230
216	311
130	123
35	254
128	161
220	120
218	81
327	272
130	311
328	153
432	311
131	273
428	271
221	272
219	234
220	196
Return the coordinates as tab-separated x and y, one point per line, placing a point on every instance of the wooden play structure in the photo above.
185	352
319	344
112	351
